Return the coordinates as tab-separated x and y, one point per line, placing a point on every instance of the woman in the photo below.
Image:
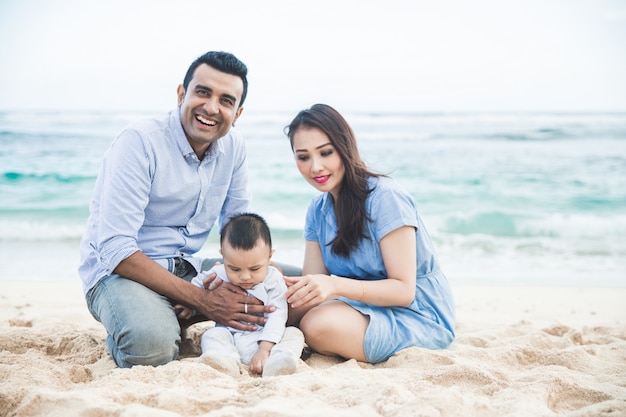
371	282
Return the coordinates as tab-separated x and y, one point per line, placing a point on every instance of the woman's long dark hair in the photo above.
350	206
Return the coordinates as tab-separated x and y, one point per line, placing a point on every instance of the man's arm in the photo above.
223	304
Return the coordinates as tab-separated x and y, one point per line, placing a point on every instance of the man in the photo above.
163	184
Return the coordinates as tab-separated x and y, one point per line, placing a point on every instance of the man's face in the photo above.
209	106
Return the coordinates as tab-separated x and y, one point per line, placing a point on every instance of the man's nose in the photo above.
212	106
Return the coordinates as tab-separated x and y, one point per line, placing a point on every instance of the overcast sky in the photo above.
384	55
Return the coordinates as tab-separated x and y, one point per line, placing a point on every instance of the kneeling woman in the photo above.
371	283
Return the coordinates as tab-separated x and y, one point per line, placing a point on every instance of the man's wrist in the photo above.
199	301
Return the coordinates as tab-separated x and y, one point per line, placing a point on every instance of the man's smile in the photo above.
205	121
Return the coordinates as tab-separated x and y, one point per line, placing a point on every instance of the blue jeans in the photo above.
142	328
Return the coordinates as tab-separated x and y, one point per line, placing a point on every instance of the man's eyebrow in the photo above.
230	97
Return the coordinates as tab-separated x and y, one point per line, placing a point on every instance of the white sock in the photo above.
280	363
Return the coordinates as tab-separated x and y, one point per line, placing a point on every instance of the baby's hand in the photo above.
258	360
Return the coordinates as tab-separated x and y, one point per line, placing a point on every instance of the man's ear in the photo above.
180	93
237	114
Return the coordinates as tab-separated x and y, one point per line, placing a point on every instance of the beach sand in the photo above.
520	351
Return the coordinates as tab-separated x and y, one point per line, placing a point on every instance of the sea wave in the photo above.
490	126
584	233
553	225
40	231
493	188
26	178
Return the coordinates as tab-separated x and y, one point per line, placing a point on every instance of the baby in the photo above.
246	247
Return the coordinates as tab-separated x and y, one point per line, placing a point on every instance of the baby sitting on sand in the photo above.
246	246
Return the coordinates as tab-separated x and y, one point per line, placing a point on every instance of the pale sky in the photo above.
362	55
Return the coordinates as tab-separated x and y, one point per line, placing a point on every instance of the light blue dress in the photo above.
429	321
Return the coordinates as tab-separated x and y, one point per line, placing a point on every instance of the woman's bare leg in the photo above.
335	328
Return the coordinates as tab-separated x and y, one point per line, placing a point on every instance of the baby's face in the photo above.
246	268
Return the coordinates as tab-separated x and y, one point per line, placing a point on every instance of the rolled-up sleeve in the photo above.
122	199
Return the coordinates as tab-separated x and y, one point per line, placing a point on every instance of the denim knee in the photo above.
145	342
141	324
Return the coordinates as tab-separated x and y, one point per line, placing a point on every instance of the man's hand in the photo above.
229	304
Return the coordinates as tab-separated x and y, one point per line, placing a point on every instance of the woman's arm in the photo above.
398	252
313	264
313	260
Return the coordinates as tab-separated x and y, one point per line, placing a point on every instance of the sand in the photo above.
520	351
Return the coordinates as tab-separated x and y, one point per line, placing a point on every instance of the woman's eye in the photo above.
327	153
302	158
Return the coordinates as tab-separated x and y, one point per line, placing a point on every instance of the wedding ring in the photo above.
245	308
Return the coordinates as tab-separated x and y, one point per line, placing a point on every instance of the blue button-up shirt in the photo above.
154	195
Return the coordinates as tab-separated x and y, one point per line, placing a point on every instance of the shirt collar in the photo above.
327	202
183	144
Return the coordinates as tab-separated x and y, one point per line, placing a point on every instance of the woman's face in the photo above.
318	161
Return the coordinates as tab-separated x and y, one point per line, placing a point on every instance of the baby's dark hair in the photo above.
243	231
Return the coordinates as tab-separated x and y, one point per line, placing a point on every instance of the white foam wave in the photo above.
30	231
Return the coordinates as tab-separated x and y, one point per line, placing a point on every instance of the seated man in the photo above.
163	184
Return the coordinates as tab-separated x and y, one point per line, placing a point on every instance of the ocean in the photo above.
508	198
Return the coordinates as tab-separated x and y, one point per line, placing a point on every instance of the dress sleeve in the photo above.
391	208
310	224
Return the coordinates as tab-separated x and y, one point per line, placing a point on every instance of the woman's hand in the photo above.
309	290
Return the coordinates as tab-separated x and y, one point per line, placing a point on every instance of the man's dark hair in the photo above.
224	62
244	231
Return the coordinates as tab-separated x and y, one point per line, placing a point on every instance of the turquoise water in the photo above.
508	198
